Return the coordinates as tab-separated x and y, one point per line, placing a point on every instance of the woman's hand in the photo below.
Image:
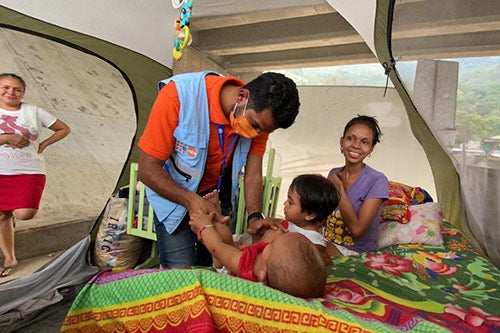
15	140
335	179
60	129
42	147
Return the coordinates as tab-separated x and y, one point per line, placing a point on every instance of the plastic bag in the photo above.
114	248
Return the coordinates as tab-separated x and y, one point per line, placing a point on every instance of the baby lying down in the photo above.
287	261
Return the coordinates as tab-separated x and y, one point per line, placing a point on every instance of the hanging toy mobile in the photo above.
182	33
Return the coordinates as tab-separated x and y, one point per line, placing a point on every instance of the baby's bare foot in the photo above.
213	197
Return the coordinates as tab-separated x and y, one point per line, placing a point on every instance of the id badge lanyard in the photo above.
220	133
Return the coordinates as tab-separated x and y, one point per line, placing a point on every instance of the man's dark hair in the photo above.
317	195
276	92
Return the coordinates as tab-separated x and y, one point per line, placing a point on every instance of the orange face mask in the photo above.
241	125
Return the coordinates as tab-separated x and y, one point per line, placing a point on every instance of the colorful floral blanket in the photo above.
400	288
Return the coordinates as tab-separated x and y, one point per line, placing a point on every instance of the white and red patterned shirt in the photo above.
26	121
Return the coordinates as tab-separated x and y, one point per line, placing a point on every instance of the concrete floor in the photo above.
28	266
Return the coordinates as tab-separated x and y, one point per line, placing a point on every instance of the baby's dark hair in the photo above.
14	76
299	270
317	195
276	92
371	122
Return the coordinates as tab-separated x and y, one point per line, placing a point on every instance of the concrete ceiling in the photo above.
254	36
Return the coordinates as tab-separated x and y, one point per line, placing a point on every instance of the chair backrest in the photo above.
138	223
270	195
271	187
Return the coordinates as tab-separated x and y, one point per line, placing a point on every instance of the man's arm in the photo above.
253	184
152	174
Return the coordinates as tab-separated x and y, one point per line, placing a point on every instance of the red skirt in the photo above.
21	191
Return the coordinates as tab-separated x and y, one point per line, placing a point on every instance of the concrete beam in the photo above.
259	16
307	36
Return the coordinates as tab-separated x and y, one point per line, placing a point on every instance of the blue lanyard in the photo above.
220	133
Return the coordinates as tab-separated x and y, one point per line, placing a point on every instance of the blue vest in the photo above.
188	160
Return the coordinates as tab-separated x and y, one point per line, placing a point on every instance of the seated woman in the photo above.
354	225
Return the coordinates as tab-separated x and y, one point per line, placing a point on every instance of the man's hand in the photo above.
258	226
201	205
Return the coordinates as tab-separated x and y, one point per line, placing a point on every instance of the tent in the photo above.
136	48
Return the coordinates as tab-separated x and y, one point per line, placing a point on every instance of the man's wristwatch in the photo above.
255	215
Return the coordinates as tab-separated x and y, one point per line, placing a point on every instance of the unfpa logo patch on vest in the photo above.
184	149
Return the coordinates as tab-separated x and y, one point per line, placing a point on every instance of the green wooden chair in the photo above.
141	224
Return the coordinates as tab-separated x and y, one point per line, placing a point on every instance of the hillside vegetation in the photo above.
478	95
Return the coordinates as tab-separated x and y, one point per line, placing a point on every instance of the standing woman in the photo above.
353	226
22	166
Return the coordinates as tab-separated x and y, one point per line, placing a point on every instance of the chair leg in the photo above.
154	259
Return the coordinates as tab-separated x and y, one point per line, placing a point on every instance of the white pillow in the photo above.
424	227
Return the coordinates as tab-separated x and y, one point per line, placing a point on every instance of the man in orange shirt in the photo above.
202	130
